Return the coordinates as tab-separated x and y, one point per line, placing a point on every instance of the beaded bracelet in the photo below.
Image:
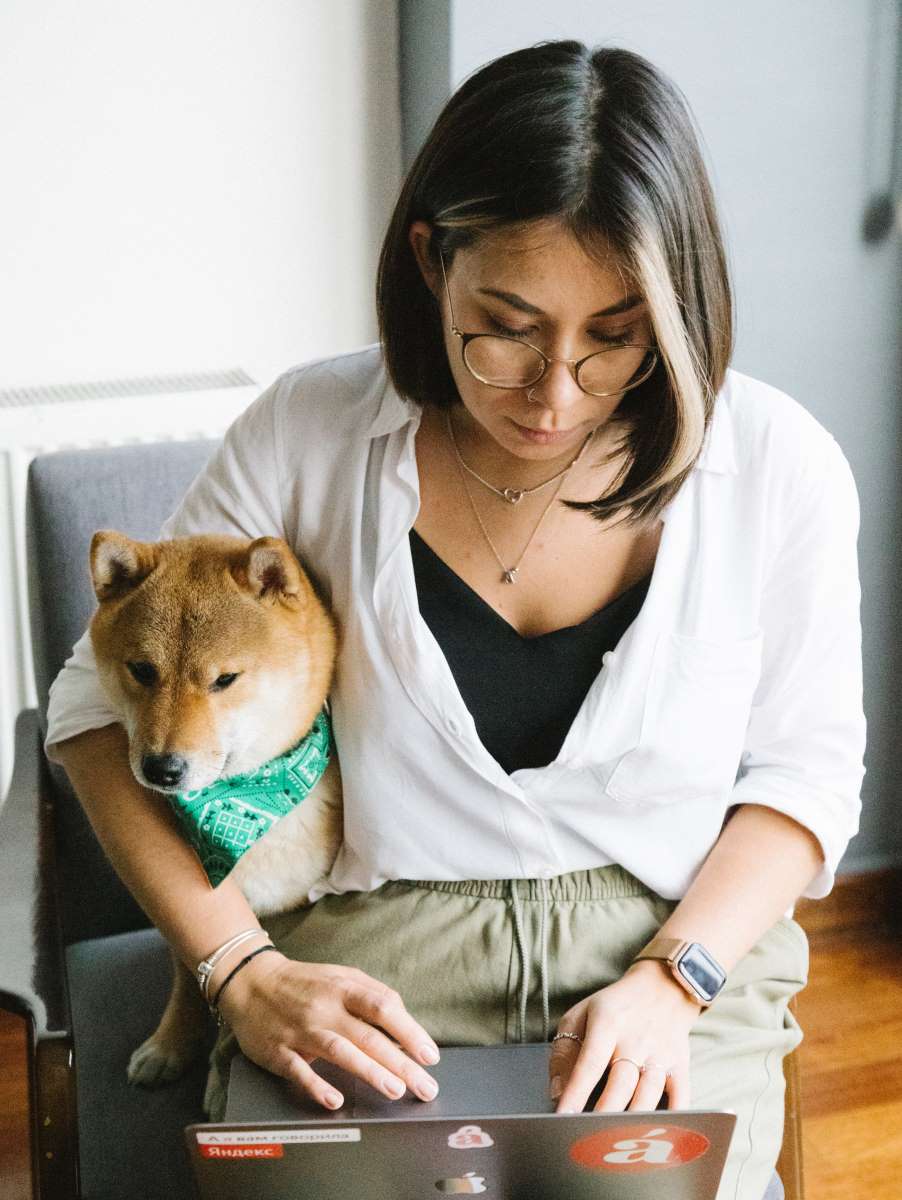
214	1006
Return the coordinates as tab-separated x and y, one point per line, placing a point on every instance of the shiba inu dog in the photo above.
217	656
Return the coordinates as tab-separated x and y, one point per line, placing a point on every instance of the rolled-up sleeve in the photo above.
238	492
804	749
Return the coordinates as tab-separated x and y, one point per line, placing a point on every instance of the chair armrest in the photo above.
32	968
32	963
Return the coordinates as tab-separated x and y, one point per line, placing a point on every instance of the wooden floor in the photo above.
851	1056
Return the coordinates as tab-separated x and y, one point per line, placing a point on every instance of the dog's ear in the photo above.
273	570
118	563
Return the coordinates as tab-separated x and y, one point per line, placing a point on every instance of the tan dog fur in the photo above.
198	610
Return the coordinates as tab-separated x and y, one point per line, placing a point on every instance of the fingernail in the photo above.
557	1087
334	1099
394	1087
429	1054
429	1089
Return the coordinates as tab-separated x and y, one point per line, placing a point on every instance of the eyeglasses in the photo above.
507	362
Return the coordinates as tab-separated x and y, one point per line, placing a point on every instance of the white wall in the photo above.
194	185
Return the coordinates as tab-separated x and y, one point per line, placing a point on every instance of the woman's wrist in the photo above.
657	975
248	981
226	961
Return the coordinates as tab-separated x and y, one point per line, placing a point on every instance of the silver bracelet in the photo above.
207	966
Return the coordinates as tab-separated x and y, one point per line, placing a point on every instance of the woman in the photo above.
599	691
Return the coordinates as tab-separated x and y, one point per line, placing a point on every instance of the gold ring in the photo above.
638	1066
574	1036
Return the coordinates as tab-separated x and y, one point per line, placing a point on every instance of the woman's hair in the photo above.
602	142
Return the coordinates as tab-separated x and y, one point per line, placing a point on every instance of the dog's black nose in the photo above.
164	770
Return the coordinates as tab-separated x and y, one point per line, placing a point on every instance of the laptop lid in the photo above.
491	1130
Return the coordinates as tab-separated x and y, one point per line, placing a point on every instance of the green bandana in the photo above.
224	820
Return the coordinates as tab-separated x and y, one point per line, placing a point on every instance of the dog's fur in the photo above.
196	610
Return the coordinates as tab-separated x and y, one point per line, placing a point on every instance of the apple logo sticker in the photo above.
465	1185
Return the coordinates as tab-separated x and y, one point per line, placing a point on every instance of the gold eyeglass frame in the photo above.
574	364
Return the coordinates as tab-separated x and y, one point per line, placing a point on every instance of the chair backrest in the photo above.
70	494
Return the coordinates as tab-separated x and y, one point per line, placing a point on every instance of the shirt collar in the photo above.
717	453
393	413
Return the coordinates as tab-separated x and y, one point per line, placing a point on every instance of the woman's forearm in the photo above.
139	835
756	870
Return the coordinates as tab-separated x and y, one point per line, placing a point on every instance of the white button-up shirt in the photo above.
739	682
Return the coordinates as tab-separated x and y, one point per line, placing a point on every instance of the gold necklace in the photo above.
511	495
509	574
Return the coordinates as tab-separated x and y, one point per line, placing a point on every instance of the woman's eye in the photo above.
144	673
507	331
225	681
624	337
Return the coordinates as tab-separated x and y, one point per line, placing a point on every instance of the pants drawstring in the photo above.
543	962
525	957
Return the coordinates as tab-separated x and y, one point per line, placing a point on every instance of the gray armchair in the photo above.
77	957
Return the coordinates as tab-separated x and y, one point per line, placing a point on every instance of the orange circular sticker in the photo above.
633	1148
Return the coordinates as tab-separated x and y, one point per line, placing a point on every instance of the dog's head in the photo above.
215	652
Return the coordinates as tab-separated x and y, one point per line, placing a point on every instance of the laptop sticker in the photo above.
468	1137
465	1185
624	1148
246	1137
262	1150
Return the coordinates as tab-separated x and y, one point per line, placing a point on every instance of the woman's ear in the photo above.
420	235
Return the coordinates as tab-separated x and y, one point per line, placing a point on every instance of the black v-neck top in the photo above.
523	693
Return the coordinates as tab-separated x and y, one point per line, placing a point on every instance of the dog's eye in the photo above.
144	673
224	681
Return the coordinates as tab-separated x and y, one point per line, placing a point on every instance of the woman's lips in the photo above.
542	437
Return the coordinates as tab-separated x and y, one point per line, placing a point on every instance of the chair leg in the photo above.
54	1141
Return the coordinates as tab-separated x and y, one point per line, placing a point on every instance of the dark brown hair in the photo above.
603	142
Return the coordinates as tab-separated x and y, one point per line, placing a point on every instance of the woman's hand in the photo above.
646	1017
285	1014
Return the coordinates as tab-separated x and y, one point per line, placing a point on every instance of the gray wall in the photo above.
794	102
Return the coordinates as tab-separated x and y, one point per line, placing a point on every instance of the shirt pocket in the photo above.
694	719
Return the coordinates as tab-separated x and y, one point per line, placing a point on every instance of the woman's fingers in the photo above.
383	1006
591	1061
624	1077
399	1068
678	1087
564	1053
297	1070
652	1084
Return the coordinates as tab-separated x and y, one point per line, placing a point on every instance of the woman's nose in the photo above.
557	390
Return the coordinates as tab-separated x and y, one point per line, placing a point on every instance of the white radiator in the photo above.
40	419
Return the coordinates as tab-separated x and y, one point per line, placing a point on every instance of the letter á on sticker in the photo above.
650	1149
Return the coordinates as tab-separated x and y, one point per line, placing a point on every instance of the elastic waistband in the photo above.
597	883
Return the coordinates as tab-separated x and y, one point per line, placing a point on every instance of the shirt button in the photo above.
453	726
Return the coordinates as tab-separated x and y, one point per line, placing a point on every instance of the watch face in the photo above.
700	970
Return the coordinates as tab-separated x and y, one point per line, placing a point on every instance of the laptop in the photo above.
491	1131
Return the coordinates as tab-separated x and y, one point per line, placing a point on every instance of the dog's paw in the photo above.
155	1063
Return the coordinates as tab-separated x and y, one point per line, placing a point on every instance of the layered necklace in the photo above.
511	496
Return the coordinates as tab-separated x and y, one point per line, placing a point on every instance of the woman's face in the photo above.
538	283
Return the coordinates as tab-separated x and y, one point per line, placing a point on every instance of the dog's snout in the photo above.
164	770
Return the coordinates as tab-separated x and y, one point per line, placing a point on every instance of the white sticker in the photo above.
275	1137
469	1137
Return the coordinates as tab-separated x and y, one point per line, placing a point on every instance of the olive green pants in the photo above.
467	958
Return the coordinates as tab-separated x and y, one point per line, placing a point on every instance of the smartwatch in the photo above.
691	965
